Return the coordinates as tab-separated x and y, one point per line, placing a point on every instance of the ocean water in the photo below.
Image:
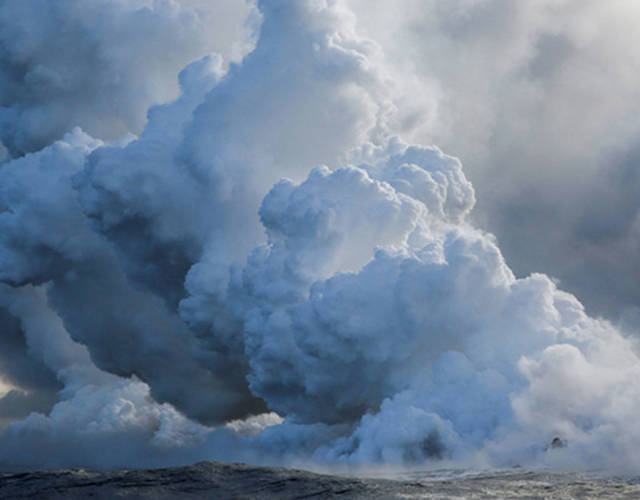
239	481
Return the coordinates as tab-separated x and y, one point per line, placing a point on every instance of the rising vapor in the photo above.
274	269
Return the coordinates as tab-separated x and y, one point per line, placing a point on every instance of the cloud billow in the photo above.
99	64
270	243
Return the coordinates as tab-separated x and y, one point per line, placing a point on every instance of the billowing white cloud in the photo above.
274	241
46	238
433	349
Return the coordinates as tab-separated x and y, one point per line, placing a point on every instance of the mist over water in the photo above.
276	269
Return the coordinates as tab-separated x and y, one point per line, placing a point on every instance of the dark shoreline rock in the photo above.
212	480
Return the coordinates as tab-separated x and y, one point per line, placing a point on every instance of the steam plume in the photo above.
271	243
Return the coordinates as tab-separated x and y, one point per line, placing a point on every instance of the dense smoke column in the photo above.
187	192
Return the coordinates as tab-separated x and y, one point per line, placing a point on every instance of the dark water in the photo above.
237	481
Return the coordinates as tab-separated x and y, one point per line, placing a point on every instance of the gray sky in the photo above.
540	101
